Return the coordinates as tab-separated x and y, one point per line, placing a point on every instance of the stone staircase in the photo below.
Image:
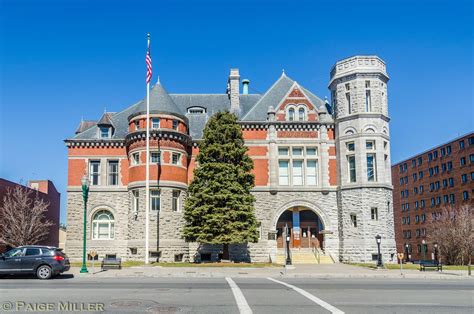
303	256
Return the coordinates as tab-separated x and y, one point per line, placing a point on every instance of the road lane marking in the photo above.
308	295
244	307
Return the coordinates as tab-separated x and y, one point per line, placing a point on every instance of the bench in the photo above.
428	263
111	263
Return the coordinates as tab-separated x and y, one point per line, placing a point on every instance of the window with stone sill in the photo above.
176	158
103	226
354	220
155	203
176	201
297	166
94	172
155	123
155	157
135	158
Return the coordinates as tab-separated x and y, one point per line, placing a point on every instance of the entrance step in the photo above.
299	257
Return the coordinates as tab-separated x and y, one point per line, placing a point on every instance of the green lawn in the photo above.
409	266
140	263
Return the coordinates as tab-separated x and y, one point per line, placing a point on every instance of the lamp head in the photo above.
378	238
85	181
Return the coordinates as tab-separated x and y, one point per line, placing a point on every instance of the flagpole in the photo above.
147	175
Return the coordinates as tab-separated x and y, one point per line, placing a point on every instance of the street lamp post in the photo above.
406	251
378	238
423	242
85	194
287	239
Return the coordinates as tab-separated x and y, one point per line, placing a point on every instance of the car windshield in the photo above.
14	252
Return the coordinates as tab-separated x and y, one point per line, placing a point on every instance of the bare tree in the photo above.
22	217
453	230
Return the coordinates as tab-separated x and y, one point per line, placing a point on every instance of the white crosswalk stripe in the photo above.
308	295
244	307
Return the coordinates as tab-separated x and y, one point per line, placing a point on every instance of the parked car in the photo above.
43	261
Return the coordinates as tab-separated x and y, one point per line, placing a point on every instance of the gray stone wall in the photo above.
357	244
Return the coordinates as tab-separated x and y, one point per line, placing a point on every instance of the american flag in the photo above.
148	62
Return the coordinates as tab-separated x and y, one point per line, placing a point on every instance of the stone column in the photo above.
272	150
324	156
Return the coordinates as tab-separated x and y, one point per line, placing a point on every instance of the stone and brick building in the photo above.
423	185
321	168
46	191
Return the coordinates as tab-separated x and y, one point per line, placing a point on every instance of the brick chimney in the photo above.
234	82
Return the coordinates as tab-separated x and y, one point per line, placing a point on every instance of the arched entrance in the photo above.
304	228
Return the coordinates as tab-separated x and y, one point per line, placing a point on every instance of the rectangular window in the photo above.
348	100
137	124
368	101
297	151
450	165
422	203
420	161
311	151
471	158
176	158
175	201
464	178
297	172
374	213
370	145
351	147
471	141
155	200
414	177
104	132
420	175
155	157
371	172
175	124
94	172
463	161
113	172
421	188
443	152
461	144
451	182
311	172
354	220
283	172
435	154
135	158
451	198
465	195
283	151
351	168
430	156
155	123
413	163
135	200
445	183
367	84
448	150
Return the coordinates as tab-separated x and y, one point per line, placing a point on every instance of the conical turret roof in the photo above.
160	102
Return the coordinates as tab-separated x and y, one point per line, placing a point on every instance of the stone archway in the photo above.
302	226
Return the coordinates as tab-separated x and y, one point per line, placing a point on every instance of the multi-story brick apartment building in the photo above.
324	174
47	192
423	184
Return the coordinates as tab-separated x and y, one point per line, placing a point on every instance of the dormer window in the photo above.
301	113
290	116
155	123
196	110
105	132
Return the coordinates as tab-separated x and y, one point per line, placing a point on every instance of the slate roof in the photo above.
254	107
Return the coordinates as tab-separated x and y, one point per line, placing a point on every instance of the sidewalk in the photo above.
300	271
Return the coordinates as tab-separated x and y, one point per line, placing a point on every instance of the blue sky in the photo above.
64	60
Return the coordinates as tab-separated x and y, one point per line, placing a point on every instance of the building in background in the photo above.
423	184
324	174
47	192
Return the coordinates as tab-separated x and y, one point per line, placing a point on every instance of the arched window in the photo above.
291	114
301	113
103	226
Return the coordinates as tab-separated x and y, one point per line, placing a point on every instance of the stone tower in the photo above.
359	97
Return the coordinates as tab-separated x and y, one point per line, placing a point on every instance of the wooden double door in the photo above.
307	237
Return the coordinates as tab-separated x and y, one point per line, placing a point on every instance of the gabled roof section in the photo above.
160	101
105	120
84	125
275	95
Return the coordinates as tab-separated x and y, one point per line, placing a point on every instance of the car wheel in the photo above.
44	272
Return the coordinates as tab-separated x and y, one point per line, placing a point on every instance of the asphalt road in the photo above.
236	295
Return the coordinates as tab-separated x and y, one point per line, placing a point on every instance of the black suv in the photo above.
44	261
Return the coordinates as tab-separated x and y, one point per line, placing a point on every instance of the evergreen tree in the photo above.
219	208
